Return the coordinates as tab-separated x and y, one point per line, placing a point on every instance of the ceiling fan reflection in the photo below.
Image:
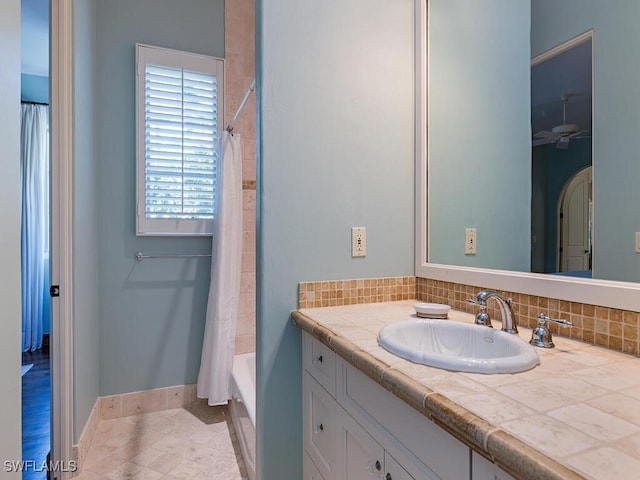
561	134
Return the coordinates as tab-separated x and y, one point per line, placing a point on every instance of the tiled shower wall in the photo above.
607	327
239	73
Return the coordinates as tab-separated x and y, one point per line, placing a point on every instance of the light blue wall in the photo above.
85	221
616	119
10	325
479	132
34	88
336	106
151	313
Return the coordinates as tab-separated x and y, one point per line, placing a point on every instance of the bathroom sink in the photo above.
458	346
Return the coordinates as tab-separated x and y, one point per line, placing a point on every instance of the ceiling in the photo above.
566	73
35	37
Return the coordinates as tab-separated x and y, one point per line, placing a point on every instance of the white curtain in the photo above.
34	173
214	378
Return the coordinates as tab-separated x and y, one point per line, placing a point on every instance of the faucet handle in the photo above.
541	336
482	317
542	318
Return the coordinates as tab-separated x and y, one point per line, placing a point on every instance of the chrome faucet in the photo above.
508	318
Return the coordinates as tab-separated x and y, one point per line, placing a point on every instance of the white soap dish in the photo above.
432	310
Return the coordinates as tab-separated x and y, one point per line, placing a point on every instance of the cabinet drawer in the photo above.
320	361
443	455
321	429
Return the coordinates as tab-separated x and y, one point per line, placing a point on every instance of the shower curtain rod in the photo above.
252	87
34	103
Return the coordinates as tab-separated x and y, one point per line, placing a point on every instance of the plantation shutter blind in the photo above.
179	110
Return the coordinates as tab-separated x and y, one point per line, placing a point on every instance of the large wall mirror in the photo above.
532	114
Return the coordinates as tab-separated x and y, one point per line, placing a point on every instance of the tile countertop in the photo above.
576	415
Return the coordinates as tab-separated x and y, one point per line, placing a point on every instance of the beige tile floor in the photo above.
196	442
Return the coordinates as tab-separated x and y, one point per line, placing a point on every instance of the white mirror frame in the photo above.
607	293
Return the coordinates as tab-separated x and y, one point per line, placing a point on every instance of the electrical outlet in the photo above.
637	242
358	242
470	239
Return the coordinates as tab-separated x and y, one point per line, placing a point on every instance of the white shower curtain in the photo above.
34	166
214	378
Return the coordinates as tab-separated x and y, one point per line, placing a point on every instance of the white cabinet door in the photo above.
321	428
363	456
483	469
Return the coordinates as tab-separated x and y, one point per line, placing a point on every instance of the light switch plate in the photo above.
470	238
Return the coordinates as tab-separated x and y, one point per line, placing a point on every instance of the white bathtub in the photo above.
243	407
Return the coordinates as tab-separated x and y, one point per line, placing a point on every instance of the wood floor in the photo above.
36	414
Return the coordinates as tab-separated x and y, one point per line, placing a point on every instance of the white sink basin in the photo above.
458	346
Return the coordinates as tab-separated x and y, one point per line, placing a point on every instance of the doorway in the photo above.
10	339
35	163
575	223
58	25
561	121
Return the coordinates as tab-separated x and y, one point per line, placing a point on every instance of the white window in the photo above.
179	111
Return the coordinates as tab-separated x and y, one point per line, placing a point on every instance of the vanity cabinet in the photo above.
354	429
338	447
413	441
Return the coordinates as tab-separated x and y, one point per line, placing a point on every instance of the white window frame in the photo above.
164	57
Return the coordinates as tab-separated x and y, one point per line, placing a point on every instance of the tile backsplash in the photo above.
606	327
350	292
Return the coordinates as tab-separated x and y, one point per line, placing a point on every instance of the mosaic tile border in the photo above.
355	291
606	327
